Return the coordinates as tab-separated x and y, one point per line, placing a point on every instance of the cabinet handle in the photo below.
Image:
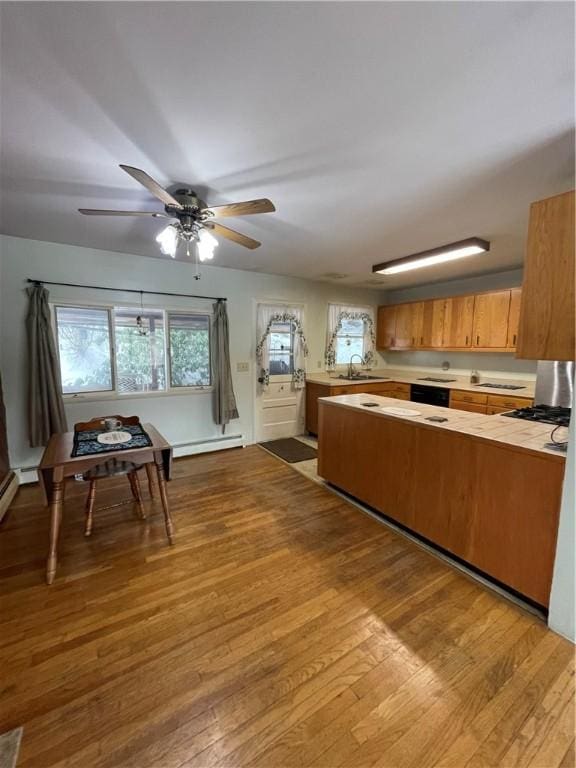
477	341
421	341
514	340
412	340
466	340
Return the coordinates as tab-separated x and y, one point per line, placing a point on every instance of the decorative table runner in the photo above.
86	442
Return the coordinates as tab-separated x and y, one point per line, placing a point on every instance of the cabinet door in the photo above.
386	328
403	339
490	327
514	317
417	323
458	323
433	316
547	311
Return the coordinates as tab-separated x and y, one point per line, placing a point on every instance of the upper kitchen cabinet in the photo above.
547	310
514	317
386	328
458	323
490	327
432	332
408	324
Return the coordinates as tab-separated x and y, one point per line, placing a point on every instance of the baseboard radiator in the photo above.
8	488
30	474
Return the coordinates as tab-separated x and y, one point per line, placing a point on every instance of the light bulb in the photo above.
206	245
168	240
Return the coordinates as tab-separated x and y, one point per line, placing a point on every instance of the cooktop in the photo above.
432	378
500	386
547	414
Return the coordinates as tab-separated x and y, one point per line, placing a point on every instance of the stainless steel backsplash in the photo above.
554	383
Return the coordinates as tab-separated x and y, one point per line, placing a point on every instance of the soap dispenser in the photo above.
474	377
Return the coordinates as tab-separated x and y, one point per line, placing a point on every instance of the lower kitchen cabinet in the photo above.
315	391
493	505
480	402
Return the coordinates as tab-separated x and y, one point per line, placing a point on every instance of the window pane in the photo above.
140	361
84	349
353	327
346	346
281	349
189	350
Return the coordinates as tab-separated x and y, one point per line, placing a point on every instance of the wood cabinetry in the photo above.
485	322
491	314
492	505
315	391
480	402
514	317
547	310
386	327
459	317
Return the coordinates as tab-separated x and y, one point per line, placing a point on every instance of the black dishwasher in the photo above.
430	395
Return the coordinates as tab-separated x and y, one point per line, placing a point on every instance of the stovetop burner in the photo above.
433	378
546	414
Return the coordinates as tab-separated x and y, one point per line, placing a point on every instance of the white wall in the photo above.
563	596
182	418
462	362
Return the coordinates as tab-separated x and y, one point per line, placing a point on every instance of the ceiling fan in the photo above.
194	220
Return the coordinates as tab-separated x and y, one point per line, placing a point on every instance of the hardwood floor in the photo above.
284	628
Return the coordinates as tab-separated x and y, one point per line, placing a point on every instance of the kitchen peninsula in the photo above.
483	488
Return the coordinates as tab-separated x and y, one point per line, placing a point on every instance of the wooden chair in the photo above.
111	467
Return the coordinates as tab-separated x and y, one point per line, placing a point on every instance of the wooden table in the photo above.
58	464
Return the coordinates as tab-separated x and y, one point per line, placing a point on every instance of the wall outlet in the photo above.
242	367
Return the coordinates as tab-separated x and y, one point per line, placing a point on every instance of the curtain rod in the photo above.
128	290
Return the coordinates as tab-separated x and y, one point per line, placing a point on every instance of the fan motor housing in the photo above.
191	207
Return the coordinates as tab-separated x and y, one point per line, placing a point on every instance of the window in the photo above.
281	340
349	341
189	350
124	350
84	349
140	357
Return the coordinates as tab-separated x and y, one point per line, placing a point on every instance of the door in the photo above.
491	319
458	323
386	331
514	317
433	323
279	408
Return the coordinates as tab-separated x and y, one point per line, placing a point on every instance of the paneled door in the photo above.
458	322
279	407
433	323
491	319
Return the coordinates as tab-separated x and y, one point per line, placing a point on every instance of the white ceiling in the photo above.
378	129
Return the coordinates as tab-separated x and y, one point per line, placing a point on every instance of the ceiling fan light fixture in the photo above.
451	252
167	239
206	245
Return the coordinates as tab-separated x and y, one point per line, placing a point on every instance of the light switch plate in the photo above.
242	367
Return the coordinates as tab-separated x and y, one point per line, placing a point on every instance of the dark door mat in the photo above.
290	449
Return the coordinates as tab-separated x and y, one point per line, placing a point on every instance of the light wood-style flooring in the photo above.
284	628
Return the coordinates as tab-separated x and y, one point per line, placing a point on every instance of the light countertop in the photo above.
390	375
530	436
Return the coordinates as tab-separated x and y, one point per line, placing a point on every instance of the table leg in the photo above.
164	499
150	474
56	500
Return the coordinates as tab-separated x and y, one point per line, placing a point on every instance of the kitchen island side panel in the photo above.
491	505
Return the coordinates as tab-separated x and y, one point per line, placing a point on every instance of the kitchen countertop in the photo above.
461	382
528	436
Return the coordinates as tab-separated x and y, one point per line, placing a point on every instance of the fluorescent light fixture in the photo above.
168	240
451	252
206	245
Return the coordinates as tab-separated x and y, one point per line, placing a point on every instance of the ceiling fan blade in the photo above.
231	234
152	186
242	209
100	212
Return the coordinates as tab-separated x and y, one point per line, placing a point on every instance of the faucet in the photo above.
351	371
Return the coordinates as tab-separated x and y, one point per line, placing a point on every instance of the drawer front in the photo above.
459	396
509	401
376	389
398	387
399	395
492	410
473	407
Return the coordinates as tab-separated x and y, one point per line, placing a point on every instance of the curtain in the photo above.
267	315
337	313
45	404
224	399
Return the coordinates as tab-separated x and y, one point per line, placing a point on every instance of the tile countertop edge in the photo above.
354	402
391	377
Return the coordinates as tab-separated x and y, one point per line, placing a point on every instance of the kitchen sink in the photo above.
360	377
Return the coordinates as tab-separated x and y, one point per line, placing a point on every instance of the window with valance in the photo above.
350	331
